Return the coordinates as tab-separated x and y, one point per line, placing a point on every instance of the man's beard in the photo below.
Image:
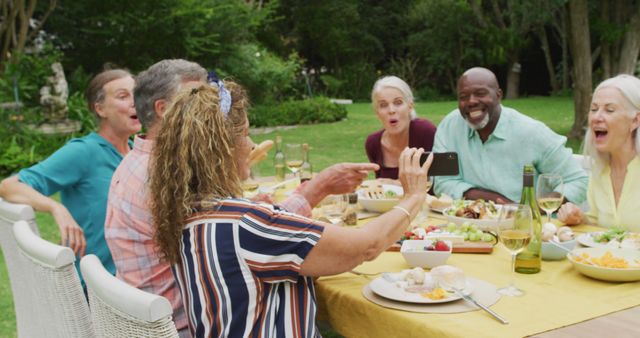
480	125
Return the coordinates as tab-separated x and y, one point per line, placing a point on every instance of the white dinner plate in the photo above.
588	239
386	289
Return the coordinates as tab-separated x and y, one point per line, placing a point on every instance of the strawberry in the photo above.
441	246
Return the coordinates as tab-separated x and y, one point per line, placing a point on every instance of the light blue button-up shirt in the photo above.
497	164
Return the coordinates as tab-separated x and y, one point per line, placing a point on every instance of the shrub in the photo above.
30	72
21	147
266	76
309	111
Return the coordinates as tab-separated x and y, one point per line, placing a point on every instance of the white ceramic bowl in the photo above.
380	204
415	255
607	274
551	252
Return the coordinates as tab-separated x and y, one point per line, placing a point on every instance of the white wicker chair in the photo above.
120	310
23	298
59	306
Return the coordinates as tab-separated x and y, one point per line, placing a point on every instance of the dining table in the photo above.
559	301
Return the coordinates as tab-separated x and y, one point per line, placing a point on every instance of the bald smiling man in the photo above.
494	143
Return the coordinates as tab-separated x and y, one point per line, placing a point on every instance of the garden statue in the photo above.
53	96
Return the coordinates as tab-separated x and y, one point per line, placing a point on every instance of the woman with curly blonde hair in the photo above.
245	268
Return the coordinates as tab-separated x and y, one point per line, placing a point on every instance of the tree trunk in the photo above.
581	53
630	45
561	31
605	56
618	11
544	45
513	80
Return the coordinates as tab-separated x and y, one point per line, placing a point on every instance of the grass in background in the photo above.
330	143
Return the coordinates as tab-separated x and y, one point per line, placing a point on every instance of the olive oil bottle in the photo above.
529	260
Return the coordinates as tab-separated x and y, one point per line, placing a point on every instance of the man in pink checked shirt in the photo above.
128	227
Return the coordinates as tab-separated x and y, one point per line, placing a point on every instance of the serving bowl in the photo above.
380	204
629	274
551	252
416	256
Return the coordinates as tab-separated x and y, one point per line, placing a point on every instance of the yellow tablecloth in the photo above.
557	296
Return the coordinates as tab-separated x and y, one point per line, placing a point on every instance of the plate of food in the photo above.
484	214
418	286
379	197
613	238
466	232
609	264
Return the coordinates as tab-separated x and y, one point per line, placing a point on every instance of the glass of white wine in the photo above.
293	154
250	185
549	193
514	231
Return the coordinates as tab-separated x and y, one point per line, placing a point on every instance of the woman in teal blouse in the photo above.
81	170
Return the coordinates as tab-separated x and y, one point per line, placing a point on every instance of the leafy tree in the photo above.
508	25
135	34
443	46
616	26
20	22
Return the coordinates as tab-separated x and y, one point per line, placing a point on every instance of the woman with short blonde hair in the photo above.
392	100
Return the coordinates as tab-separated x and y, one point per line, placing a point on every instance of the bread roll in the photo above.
259	153
448	276
443	202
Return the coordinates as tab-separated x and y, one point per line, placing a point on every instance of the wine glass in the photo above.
334	206
293	154
549	193
250	185
515	231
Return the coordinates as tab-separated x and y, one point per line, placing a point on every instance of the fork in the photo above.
366	274
386	275
376	193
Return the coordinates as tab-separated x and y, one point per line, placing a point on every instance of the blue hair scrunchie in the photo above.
223	93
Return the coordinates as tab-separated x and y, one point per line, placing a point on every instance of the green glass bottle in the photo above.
529	260
279	162
306	171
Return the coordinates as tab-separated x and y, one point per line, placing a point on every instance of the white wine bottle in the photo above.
306	171
279	162
529	260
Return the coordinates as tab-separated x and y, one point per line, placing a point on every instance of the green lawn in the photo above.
330	143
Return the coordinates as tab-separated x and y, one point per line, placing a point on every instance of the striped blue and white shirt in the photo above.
239	271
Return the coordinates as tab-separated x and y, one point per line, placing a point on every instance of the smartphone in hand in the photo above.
444	164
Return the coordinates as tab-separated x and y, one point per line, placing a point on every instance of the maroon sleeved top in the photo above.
421	135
